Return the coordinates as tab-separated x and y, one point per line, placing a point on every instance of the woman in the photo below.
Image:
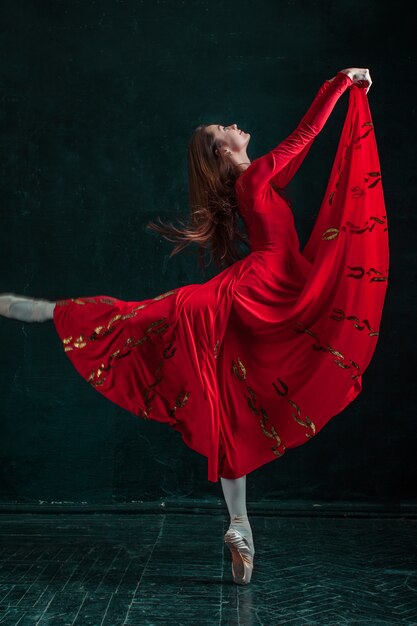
259	358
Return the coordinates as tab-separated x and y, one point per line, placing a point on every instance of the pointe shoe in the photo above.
242	556
6	299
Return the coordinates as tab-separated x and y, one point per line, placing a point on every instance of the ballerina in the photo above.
259	358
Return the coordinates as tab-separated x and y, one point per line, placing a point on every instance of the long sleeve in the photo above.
282	162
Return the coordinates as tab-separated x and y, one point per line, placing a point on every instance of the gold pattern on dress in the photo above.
239	369
97	376
169	351
335	352
134	311
359	230
344	366
285	387
78	342
360	272
339	315
162	328
164	295
358	139
356	268
126	349
372	174
181	400
301	327
358	369
252	399
103	331
306	422
357	192
216	349
149	393
66	301
182	397
240	372
330	233
108	301
112	301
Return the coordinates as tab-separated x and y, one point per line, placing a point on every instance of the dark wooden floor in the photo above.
111	569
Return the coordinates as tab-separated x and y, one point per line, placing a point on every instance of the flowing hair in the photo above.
214	218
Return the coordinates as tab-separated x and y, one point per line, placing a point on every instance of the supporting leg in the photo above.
26	309
238	538
234	491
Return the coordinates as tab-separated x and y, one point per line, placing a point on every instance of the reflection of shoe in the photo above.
242	556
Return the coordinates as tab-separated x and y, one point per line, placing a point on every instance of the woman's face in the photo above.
230	137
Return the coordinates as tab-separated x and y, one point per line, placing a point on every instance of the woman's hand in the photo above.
360	76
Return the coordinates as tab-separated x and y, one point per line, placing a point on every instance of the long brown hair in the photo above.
214	219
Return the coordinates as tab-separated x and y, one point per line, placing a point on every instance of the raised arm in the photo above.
281	163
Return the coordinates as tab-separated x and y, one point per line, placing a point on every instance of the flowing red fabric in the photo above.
259	358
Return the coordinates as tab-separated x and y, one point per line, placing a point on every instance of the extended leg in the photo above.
26	309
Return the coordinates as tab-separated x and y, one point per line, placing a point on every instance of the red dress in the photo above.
259	358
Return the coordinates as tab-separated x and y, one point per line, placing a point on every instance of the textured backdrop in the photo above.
97	103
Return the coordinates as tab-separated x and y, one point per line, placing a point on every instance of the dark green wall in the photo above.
97	103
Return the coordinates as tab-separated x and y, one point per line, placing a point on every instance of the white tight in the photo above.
26	309
234	491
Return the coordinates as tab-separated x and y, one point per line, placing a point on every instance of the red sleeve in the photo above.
282	162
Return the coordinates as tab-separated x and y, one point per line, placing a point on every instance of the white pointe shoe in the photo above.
6	299
242	556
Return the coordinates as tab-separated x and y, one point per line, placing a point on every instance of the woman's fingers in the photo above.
368	80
